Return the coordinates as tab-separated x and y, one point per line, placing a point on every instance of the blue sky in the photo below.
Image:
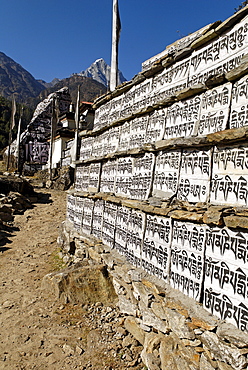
55	38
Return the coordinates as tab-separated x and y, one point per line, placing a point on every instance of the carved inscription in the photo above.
123	181
125	133
226	308
108	175
86	148
142	176
194	179
215	109
79	211
166	174
94	177
71	207
82	178
229	184
97	218
239	107
156	126
108	224
87	216
187	258
138	132
135	235
156	246
121	229
182	117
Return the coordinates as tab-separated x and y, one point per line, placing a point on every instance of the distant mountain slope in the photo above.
89	88
100	71
15	79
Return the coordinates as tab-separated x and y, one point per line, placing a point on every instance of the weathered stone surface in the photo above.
142	293
204	39
150	361
223	352
223	366
216	80
190	91
238	72
132	326
15	184
186	216
233	134
149	319
81	284
232	334
205	364
177	323
213	216
236	222
126	306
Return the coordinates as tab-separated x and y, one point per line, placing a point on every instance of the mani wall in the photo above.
163	177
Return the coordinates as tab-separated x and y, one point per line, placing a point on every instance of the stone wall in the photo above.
162	180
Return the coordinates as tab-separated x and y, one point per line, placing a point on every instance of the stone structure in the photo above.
162	180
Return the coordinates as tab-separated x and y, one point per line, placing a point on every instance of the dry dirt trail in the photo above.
37	332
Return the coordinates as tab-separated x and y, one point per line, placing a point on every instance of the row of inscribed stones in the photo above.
218	175
218	57
215	110
205	263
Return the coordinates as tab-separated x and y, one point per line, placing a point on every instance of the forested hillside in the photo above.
5	118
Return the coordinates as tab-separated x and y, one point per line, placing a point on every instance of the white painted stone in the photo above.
113	140
228	245
82	178
124	176
71	206
121	229
215	109
194	180
170	81
182	117
108	176
135	235
98	218
102	116
142	176
115	108
127	103
198	75
125	132
229	184
156	246
239	112
86	148
226	308
87	216
156	126
227	47
166	174
138	128
79	211
94	177
142	93
189	236
108	224
227	278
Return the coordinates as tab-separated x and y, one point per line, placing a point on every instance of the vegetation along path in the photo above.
38	332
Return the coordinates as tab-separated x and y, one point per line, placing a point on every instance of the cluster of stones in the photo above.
162	179
13	200
174	330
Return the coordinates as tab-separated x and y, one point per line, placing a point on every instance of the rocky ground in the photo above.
38	332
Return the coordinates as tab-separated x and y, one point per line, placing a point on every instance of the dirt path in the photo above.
35	331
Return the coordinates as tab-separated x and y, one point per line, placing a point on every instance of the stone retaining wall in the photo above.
162	180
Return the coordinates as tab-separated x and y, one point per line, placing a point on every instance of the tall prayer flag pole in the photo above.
77	113
12	125
116	30
18	141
